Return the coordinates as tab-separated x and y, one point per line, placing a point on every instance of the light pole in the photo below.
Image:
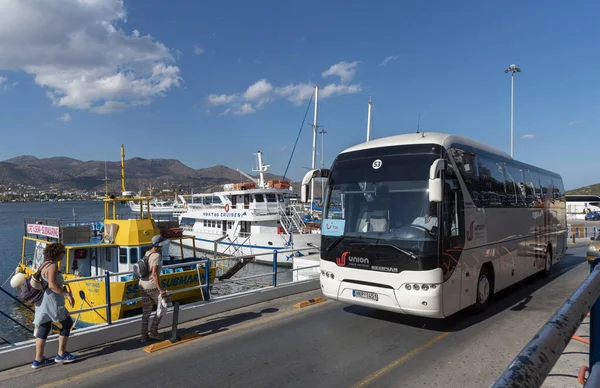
512	69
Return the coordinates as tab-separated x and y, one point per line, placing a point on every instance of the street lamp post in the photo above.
512	69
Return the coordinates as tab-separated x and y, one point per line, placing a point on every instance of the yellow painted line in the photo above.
394	364
118	364
309	302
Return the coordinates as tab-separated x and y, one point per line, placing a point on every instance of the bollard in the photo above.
585	231
274	268
207	280
573	235
595	231
175	322
576	234
107	288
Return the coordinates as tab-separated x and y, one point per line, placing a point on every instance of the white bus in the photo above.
579	205
429	224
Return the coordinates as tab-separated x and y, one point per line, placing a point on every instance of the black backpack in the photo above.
33	288
140	269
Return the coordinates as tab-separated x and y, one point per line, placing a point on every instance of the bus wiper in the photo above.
334	243
403	251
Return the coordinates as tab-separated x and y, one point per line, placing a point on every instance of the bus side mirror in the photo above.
435	181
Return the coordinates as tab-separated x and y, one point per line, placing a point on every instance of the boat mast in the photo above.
314	148
369	119
123	169
106	178
262	168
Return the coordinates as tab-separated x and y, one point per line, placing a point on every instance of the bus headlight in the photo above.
425	287
416	287
408	287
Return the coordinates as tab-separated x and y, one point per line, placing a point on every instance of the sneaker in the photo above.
144	339
45	361
155	335
65	358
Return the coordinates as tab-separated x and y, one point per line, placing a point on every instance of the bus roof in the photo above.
582	198
443	139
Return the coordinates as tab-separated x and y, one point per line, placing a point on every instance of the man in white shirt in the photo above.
429	220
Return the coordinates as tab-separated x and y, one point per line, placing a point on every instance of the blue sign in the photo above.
330	227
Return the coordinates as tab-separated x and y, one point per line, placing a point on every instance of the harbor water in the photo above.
12	216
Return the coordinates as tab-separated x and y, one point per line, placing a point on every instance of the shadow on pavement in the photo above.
212	326
515	298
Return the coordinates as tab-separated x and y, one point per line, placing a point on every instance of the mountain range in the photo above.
141	174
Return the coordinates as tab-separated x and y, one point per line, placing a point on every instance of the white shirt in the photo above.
427	222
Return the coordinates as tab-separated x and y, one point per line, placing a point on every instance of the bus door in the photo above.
452	243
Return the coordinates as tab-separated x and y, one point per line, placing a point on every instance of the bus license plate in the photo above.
365	294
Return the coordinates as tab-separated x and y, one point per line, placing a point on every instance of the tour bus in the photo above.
429	224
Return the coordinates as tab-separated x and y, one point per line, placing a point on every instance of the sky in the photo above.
212	83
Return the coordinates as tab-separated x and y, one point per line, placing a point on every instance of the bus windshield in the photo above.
382	198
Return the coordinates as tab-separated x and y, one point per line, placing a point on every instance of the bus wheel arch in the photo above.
485	286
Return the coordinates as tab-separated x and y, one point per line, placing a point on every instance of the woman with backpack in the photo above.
150	288
51	308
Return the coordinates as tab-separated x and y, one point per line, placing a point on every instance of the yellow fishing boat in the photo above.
99	256
108	249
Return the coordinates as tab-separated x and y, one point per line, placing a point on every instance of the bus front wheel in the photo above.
484	288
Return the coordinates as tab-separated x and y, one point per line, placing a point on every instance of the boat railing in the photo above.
204	283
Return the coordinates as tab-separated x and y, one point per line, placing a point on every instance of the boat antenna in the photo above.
418	123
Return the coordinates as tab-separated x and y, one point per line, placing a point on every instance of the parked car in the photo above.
592	216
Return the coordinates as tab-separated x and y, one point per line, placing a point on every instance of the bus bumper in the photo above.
424	303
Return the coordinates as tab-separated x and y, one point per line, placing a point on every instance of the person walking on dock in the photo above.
150	288
51	308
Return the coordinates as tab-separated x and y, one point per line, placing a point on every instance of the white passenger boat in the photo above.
248	219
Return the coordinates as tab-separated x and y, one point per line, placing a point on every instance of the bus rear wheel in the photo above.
547	263
484	289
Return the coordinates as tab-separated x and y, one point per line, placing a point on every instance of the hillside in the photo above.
589	190
141	174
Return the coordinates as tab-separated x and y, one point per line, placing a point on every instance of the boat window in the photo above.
143	250
271	198
122	255
229	224
259	198
280	197
133	255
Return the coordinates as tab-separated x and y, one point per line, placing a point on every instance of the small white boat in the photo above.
162	207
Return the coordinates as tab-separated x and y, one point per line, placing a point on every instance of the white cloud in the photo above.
198	50
344	70
244	109
78	51
257	62
221	99
262	92
110	107
573	123
66	118
283	148
3	84
389	59
528	136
